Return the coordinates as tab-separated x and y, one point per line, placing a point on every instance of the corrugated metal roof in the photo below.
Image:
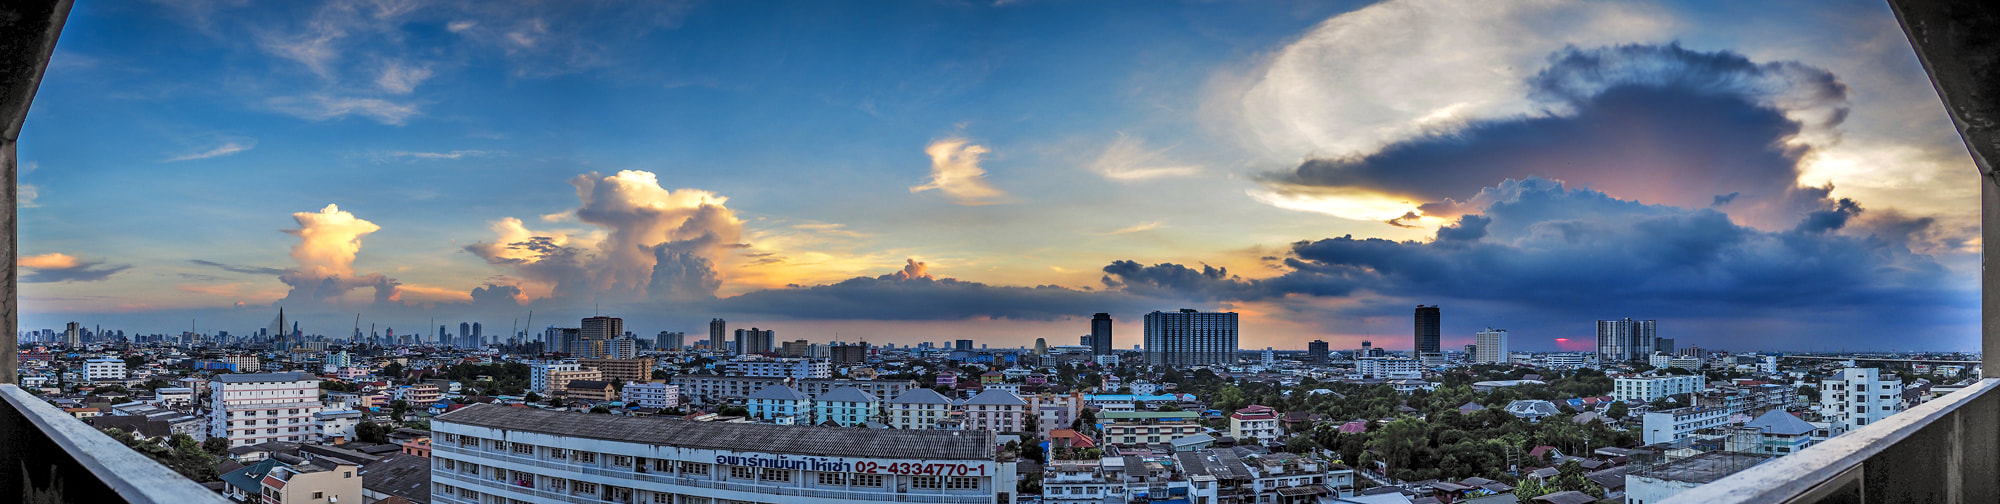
764	438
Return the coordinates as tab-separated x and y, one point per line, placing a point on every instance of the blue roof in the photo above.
250	478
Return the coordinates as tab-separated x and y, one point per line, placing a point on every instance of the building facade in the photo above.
1855	397
997	411
651	395
1191	338
1100	334
1649	388
248	409
1625	340
920	408
714	388
782	368
621	370
1427	333
1490	346
846	407
486	453
104	369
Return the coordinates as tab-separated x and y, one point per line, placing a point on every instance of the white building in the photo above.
781	405
1384	367
997	411
1855	397
538	376
336	424
919	408
174	397
782	368
1674	424
249	409
651	395
1648	388
846	407
104	369
1254	421
487	453
1491	346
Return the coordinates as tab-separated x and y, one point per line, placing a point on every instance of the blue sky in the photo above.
793	163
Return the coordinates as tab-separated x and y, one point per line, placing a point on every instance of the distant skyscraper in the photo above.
1491	345
478	336
753	340
1316	351
74	334
464	333
1190	338
596	335
1100	334
1626	340
1428	319
718	331
1041	346
964	344
670	340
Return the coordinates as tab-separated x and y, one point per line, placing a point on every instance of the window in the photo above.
741	472
558	454
927	482
524	448
962	483
558	485
780	475
317	495
621	461
663	465
663	498
586	457
832	479
586	487
694	469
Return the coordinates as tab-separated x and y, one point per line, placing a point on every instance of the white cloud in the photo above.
955	171
460	26
225	149
400	78
323	107
25	194
457	154
30	166
1148	226
1401	68
1127	159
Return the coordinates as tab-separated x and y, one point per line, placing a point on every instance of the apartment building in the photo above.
104	369
781	405
1854	397
620	370
1137	428
919	408
709	389
997	411
538	376
487	453
846	407
318	482
248	409
782	368
558	381
1647	388
651	395
1254	421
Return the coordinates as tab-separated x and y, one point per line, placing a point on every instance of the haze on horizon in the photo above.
1756	177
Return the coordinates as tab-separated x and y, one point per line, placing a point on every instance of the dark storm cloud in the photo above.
87	271
254	270
1539	246
496	295
1654	123
899	296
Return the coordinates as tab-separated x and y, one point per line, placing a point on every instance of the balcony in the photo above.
60	459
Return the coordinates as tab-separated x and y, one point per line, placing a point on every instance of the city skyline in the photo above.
1003	172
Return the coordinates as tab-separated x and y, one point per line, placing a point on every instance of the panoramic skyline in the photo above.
1775	176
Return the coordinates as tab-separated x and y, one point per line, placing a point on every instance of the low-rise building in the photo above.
782	368
318	482
651	395
1647	388
781	405
621	370
918	409
996	410
336	426
590	390
846	407
1254	421
1139	428
104	369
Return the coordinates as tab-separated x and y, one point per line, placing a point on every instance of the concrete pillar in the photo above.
28	31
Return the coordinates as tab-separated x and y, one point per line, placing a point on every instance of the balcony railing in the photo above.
1946	450
48	456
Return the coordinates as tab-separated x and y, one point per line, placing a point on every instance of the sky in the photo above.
1755	176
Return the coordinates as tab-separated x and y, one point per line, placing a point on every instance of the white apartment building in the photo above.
1569	360
846	407
487	453
997	411
1674	424
1855	397
1254	421
1384	367
782	368
333	424
174	397
249	409
104	369
1490	346
919	408
651	395
538	376
1648	388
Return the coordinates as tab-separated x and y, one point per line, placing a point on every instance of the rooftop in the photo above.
261	377
803	440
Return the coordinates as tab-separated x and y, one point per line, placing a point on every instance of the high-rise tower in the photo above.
1100	334
1191	338
1428	319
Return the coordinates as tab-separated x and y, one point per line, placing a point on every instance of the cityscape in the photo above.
999	252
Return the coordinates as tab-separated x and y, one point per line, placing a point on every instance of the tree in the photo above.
215	446
659	374
394	371
1809	393
371	432
398	408
599	409
533	397
1086	421
134	361
1617	411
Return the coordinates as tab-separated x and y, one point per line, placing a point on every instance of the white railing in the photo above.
708	483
